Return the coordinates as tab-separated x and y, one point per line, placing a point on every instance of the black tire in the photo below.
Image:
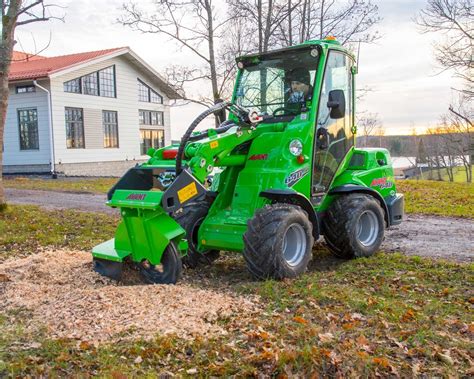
190	218
168	272
354	226
268	240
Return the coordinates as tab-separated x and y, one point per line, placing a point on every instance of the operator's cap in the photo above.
299	75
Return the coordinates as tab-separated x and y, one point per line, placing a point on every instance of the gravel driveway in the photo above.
430	236
60	200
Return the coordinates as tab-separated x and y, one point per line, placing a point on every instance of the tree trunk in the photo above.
260	26
290	26
212	58
268	25
6	52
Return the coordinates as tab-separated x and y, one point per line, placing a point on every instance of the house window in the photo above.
143	92
90	84
151	138
74	128
150	117
73	86
155	97
98	83
147	95
25	89
109	120
28	127
107	82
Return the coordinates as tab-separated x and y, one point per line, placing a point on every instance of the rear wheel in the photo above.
354	226
278	242
190	218
167	272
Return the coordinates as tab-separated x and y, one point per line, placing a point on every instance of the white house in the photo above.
93	113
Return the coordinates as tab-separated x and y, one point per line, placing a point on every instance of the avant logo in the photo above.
258	157
382	183
136	196
296	176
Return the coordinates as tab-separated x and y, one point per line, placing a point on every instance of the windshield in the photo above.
279	84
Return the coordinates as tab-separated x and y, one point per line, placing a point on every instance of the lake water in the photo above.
403	162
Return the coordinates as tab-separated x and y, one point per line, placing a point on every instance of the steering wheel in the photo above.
292	111
322	138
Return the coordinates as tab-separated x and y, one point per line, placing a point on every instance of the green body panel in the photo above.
145	230
253	159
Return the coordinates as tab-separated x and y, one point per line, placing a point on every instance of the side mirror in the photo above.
337	103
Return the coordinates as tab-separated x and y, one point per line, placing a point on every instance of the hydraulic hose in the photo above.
187	135
222	128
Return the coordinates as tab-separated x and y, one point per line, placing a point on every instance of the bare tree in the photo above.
194	25
434	149
461	120
14	13
454	20
350	21
262	20
367	123
278	23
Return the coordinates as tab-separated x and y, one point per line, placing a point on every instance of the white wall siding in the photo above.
126	105
12	154
93	133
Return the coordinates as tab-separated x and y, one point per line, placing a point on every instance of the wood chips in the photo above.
66	296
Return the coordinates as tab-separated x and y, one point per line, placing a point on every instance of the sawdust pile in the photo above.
64	294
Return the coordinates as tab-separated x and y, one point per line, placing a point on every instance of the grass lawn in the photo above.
459	174
83	185
385	315
26	229
438	198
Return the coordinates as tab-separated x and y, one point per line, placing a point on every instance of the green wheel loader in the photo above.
288	173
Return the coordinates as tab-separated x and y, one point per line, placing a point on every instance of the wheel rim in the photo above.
294	244
367	228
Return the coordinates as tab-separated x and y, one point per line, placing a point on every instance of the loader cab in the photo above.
334	136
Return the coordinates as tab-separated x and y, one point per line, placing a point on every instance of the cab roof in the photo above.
328	43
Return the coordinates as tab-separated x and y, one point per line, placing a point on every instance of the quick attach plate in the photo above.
184	189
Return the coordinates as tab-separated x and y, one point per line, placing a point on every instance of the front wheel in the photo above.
354	226
278	242
190	218
167	272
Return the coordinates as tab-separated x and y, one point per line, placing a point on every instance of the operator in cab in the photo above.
300	88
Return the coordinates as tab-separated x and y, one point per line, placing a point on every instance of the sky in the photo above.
407	89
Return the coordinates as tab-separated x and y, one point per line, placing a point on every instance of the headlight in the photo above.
296	147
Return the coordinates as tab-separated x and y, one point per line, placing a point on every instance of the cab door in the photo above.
334	137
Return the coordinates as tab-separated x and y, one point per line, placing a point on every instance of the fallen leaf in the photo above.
118	375
192	371
326	337
361	340
415	369
408	316
138	360
357	317
382	362
300	320
445	358
4	278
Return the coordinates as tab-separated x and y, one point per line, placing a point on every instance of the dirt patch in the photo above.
64	294
433	236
